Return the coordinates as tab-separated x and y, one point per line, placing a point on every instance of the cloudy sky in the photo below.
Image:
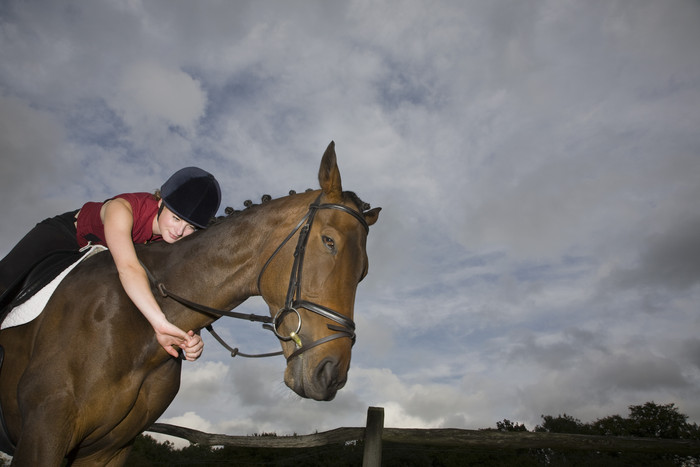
537	162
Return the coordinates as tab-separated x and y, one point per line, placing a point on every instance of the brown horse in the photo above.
87	376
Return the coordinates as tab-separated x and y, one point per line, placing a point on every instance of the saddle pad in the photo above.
30	309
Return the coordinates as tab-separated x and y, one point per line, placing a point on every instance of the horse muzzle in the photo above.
319	379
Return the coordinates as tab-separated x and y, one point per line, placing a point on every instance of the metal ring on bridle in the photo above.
275	322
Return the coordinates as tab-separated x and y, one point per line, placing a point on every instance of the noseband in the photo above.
344	327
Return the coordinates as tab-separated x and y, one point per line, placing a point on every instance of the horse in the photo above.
85	378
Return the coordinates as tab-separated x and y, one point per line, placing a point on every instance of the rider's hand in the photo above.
170	336
193	349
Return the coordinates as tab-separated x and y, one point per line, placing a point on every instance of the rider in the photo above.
186	202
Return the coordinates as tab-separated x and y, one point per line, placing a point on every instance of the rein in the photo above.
165	293
345	326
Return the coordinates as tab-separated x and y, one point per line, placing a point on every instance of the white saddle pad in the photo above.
33	307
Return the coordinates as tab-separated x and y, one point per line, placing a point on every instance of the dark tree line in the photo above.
649	420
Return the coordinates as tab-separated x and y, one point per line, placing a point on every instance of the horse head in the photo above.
322	260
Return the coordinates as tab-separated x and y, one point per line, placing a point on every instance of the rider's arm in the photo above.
118	221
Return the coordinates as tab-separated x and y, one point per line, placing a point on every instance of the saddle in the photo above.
42	274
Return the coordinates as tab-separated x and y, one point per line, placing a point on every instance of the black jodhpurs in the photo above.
48	236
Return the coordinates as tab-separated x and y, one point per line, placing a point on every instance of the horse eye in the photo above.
328	241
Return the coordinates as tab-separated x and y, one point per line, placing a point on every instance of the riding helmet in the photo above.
192	194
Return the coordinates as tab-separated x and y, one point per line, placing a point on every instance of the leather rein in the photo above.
344	327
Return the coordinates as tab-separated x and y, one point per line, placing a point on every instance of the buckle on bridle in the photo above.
295	337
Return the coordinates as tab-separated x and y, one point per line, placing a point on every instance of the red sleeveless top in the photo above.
144	207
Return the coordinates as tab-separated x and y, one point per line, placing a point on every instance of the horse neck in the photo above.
219	267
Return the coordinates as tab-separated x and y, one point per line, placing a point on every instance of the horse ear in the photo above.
372	215
328	173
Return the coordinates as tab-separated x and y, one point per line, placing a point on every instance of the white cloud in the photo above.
149	91
200	380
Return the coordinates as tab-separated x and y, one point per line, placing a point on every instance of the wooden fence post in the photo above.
372	456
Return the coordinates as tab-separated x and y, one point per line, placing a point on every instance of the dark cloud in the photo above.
555	352
690	351
640	372
668	260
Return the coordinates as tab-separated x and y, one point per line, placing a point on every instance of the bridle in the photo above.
344	327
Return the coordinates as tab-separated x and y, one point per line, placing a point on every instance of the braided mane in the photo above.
347	195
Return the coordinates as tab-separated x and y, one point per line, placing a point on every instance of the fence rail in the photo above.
337	436
374	434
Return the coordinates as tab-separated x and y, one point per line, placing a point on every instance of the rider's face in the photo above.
173	228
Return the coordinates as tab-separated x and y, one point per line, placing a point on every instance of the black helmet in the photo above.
192	194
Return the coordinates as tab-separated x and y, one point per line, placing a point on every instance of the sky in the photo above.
537	164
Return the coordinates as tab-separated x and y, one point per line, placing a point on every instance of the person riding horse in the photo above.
185	202
303	254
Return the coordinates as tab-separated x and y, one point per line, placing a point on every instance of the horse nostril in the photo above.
327	373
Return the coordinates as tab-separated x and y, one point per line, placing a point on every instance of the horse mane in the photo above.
229	211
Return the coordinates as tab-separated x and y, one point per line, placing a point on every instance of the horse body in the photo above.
87	376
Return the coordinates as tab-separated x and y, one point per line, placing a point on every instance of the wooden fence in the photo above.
374	433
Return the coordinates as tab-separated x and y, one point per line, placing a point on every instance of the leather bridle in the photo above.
344	327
